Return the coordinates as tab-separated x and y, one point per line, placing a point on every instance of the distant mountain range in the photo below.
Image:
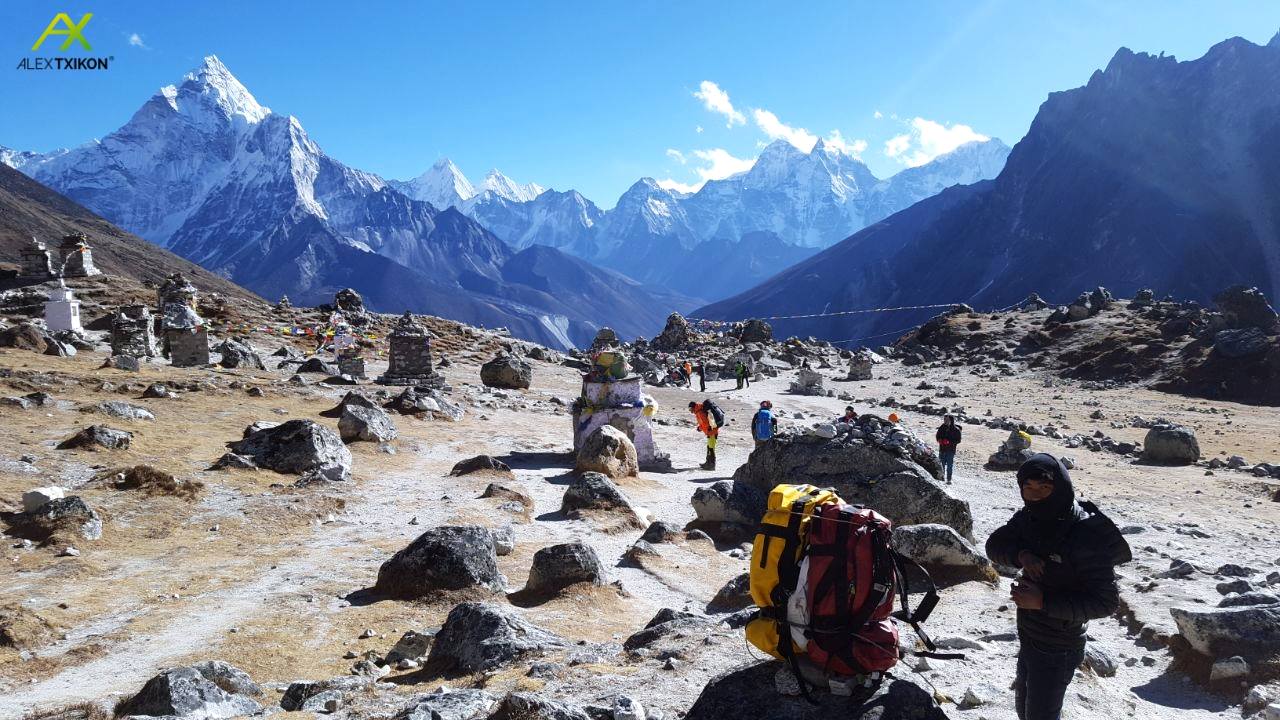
1157	173
205	170
789	205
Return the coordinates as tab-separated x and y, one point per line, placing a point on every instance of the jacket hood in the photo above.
1056	512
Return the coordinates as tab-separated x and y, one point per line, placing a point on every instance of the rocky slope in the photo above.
29	209
1157	173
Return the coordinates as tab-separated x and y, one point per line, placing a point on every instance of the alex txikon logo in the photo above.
61	24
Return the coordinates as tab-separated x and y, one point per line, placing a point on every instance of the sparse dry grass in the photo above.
74	711
155	482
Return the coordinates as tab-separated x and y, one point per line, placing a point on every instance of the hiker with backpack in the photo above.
1067	551
948	437
740	372
710	419
763	424
701	370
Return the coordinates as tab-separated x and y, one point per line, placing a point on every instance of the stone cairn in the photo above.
1015	450
35	261
808	382
133	332
611	395
860	366
62	310
186	336
346	347
77	257
409	352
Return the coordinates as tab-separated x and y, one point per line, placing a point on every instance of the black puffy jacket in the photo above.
948	432
1079	580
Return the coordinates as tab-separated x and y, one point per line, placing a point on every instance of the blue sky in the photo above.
594	95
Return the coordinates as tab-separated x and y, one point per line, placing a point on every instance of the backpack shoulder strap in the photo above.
926	606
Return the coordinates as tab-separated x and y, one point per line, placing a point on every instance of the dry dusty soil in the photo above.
269	577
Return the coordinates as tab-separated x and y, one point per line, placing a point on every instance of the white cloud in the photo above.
774	128
717	101
927	140
717	164
720	164
848	147
677	156
135	40
678	186
877	114
698	129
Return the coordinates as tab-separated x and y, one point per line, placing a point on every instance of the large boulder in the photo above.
593	495
302	447
236	354
303	695
1245	307
186	692
559	566
450	704
369	424
610	452
477	637
751	693
507	371
479	463
442	559
675	335
881	477
1241	342
808	382
349	301
728	510
1171	445
123	410
1252	632
314	365
530	706
734	596
353	397
24	337
65	517
756	331
96	436
940	550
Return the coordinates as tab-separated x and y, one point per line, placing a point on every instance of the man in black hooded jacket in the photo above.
1067	551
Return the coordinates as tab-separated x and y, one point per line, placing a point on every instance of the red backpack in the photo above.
853	579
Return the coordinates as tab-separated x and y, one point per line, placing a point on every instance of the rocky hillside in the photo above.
1229	353
29	209
1156	173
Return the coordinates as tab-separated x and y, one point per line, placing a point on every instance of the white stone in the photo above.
1232	667
33	500
624	708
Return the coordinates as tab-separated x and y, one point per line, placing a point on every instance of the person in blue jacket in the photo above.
763	423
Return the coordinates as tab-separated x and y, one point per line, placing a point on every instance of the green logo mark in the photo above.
72	31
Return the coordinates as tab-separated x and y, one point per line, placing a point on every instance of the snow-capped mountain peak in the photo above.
443	185
212	84
503	186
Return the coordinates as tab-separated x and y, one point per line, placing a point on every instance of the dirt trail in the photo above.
275	589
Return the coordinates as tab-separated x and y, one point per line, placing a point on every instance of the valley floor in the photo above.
270	578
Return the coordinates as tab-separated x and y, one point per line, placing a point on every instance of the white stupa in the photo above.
62	311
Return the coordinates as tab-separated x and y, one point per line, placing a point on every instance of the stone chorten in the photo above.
186	336
611	395
77	257
346	347
35	261
409	361
62	311
133	332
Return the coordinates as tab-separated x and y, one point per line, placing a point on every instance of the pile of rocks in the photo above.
1015	450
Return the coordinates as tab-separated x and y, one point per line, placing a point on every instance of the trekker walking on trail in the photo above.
701	369
763	424
948	436
1067	551
740	371
688	374
709	420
